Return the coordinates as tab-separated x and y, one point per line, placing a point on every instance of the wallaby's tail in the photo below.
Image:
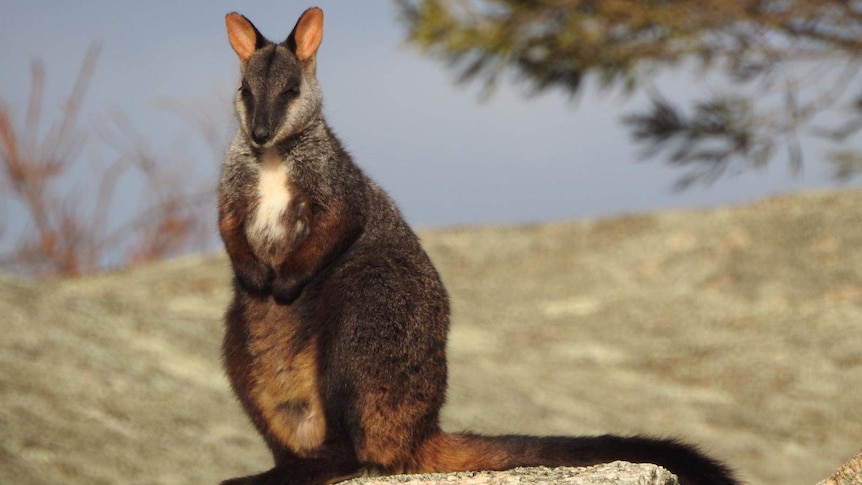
448	452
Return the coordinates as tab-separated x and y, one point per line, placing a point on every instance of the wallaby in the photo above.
335	340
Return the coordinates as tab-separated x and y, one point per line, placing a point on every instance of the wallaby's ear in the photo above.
243	36
307	34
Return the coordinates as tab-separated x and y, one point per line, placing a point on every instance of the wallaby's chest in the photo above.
266	229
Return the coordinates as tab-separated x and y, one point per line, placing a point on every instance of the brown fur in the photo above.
389	423
275	369
329	230
232	221
285	390
444	452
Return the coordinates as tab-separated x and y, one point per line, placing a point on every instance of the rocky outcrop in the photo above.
616	473
850	473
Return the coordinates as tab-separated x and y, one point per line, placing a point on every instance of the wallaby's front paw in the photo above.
286	289
255	277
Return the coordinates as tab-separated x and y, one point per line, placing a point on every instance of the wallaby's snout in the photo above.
261	134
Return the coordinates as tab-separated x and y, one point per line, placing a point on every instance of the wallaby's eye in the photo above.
291	92
243	88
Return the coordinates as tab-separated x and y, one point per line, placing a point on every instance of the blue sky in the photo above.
444	155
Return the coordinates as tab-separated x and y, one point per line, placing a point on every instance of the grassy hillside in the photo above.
738	328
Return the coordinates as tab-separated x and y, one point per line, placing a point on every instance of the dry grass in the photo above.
738	329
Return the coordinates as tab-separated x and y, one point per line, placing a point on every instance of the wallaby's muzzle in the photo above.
261	135
260	130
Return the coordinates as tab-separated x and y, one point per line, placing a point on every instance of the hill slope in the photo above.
738	328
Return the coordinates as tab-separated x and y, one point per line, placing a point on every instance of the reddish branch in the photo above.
68	233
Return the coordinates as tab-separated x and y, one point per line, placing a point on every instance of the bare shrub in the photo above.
65	228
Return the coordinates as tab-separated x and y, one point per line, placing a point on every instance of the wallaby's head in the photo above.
278	96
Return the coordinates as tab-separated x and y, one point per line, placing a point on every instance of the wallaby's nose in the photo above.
260	134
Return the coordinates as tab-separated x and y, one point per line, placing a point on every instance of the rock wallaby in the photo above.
335	339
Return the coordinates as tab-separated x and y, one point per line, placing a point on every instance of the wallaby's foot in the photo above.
235	481
271	477
285	476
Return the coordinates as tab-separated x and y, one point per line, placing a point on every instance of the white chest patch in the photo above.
267	224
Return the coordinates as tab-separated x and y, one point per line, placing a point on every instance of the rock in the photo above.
850	473
616	473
